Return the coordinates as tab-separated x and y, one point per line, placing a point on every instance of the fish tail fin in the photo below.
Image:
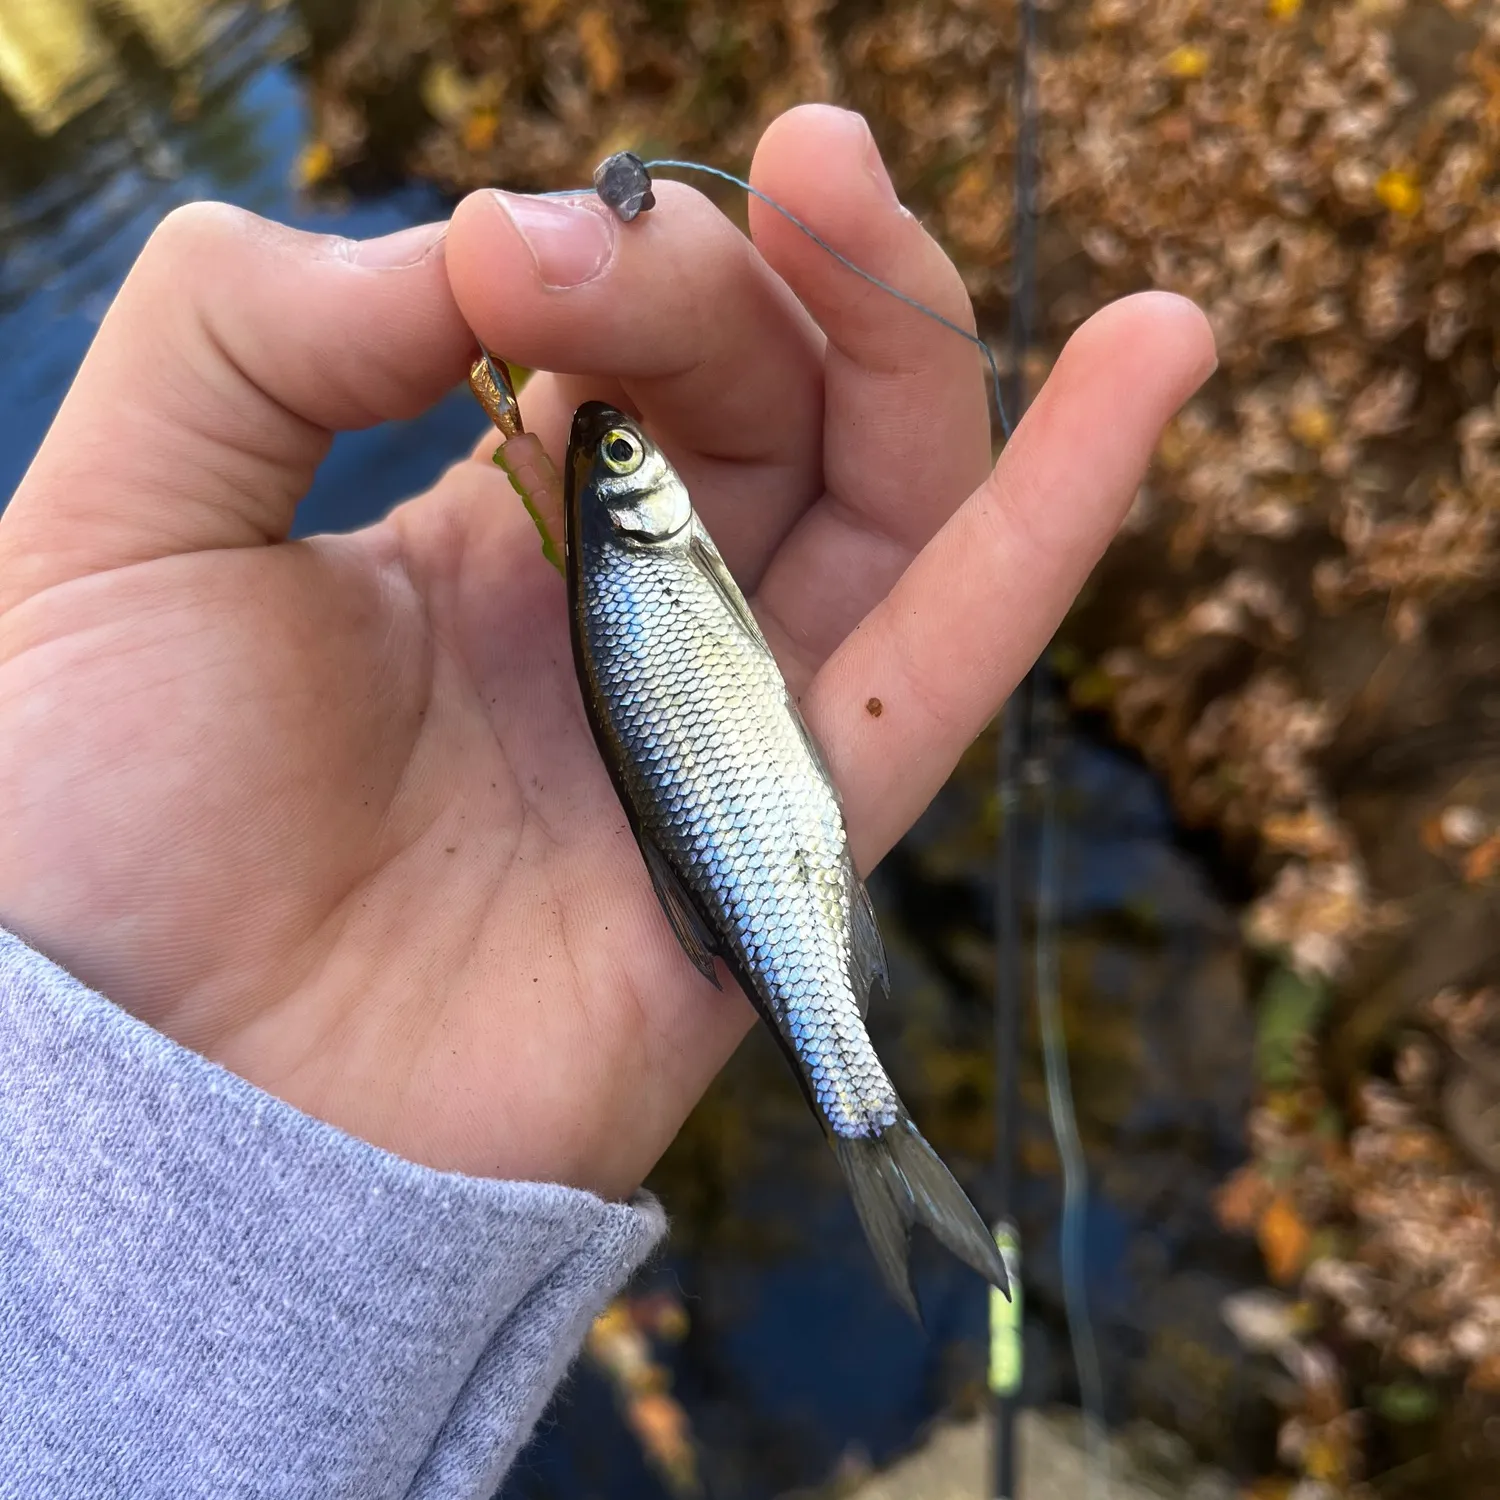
897	1180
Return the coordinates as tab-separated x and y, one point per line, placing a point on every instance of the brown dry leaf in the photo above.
1241	1201
1325	1460
1311	424
614	1321
537	15
1274	1487
1284	1240
601	51
665	1434
314	164
1400	192
447	94
1310	832
1482	861
480	130
1186	62
1431	832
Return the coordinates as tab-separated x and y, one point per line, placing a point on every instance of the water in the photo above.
796	1366
75	211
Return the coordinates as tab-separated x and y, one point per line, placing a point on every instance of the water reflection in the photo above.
202	101
797	1366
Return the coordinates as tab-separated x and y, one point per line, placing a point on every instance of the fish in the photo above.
739	823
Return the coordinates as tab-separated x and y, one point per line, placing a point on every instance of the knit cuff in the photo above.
204	1291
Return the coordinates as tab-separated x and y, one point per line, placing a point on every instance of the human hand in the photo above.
328	811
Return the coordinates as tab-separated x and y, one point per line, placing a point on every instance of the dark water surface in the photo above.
76	208
795	1363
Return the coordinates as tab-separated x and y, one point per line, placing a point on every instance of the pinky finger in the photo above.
944	649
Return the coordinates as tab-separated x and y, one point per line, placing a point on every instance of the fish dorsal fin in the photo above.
708	561
869	967
696	941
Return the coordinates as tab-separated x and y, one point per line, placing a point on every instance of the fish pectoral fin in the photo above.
814	749
705	557
695	938
868	950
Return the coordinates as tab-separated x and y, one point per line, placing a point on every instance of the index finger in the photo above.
941	653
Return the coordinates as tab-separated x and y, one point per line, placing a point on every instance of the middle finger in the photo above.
906	427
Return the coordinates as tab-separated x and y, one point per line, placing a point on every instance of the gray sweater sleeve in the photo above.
205	1292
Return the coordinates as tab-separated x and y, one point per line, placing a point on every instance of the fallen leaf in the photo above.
601	51
664	1432
314	164
1481	862
1283	1240
480	130
1186	62
1399	192
1311	425
1273	1488
1241	1201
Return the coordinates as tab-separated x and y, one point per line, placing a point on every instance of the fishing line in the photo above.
1072	1236
617	185
1044	711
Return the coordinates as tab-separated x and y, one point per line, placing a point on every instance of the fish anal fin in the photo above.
869	965
696	941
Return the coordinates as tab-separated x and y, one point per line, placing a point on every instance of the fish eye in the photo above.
620	451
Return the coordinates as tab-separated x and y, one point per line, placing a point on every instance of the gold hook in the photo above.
496	392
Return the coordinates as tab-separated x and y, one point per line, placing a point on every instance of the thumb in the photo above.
234	351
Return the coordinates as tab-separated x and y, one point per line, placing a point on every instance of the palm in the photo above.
330	813
343	754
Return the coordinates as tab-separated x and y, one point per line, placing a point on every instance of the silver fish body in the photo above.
737	818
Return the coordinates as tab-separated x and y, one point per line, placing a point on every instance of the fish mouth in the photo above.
590	422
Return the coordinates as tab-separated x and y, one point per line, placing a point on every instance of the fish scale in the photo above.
738	822
763	837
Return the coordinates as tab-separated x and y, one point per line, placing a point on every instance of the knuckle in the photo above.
195	227
205	238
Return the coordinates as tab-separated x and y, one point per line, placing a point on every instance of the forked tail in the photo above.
897	1180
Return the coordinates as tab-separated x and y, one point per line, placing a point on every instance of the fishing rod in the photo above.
1006	1347
1027	773
1028	786
1006	1361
